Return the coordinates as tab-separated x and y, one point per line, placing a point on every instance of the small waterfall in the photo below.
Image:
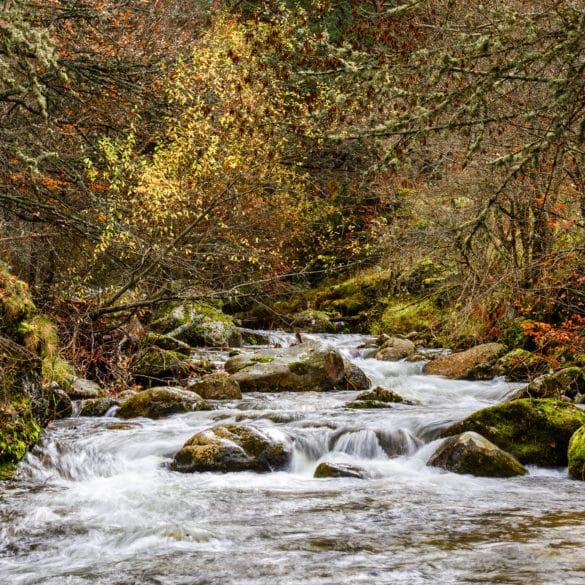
399	442
362	444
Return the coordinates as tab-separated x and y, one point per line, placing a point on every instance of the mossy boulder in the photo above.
161	402
521	365
97	406
154	366
313	321
83	389
461	365
470	453
395	348
217	386
327	470
60	404
310	366
535	431
566	384
198	324
234	447
576	454
377	398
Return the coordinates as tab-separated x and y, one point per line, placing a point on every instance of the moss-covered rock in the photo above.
327	470
218	386
461	365
470	453
82	389
534	431
160	402
377	398
97	406
60	404
310	366
164	342
520	365
576	455
154	366
313	321
198	324
233	447
566	384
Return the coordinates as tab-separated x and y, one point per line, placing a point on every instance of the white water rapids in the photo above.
96	503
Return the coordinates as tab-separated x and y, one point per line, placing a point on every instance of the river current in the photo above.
96	503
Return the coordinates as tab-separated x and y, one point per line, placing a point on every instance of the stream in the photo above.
96	503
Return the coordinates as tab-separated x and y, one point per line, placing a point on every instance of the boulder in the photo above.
460	365
313	321
395	348
198	324
310	366
355	378
520	365
160	402
576	455
217	386
471	453
326	470
377	398
566	384
82	389
154	366
233	447
534	431
97	406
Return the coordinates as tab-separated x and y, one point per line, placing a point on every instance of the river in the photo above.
96	503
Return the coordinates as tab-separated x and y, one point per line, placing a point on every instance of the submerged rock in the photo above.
233	447
462	365
217	386
534	431
326	470
471	453
310	366
160	402
576	455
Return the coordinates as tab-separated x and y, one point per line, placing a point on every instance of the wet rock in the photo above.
461	365
355	378
377	398
310	366
520	365
97	406
233	447
566	384
395	348
576	455
154	366
534	431
470	453
326	470
198	324
160	402
81	389
217	386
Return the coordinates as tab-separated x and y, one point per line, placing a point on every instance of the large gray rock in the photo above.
82	389
233	447
310	366
160	402
313	321
394	349
471	453
461	365
198	324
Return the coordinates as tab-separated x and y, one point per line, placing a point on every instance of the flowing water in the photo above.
96	503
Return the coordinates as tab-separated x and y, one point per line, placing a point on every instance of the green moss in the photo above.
535	431
299	368
408	315
262	359
576	455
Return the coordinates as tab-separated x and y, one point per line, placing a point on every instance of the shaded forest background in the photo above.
153	150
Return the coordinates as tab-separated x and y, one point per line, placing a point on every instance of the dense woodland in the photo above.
244	152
